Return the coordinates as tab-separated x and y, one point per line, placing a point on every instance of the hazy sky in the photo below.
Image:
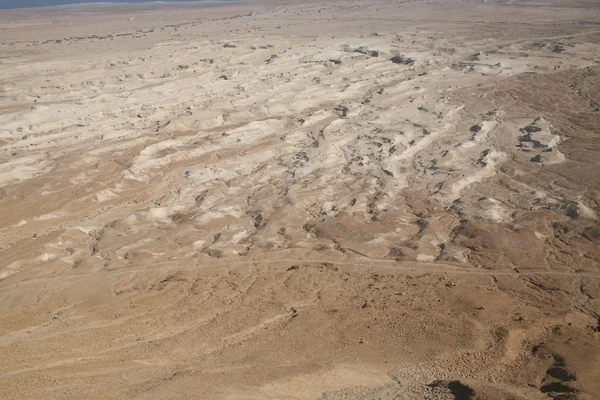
4	4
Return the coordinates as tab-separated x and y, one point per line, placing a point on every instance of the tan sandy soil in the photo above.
252	201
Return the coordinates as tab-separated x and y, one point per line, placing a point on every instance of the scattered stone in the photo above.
258	221
396	253
538	159
475	128
300	158
362	50
475	57
343	110
531	129
402	60
365	50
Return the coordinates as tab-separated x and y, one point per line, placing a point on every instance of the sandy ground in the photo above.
253	201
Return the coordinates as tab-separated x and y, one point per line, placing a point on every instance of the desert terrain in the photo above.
301	200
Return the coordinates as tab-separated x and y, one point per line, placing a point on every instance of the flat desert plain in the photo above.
301	200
